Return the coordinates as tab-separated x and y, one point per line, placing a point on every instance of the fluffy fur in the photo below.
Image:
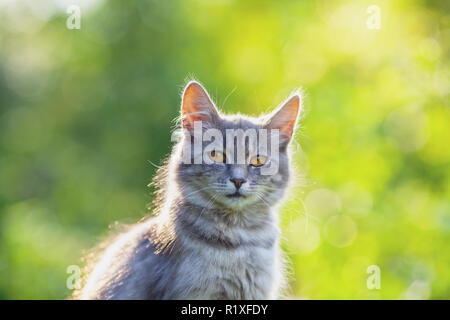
202	243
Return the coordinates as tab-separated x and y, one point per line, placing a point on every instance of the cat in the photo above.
214	233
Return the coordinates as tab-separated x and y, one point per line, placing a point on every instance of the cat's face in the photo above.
233	161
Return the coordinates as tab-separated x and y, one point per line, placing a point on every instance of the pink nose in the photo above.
238	182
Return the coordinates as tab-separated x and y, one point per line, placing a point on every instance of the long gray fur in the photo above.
197	246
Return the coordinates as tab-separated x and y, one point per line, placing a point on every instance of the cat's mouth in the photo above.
235	195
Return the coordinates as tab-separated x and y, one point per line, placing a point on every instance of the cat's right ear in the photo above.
196	105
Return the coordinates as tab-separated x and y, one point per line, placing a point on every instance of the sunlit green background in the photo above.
83	113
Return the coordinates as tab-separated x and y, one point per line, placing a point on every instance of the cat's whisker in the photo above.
208	205
260	197
305	213
197	191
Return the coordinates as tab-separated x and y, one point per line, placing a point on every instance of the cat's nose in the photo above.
238	182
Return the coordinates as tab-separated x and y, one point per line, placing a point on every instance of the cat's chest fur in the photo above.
235	274
237	263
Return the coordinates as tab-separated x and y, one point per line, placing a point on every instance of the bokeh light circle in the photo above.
340	231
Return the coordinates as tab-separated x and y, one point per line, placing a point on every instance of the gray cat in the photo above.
214	233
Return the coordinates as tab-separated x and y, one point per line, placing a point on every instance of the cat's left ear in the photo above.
285	118
197	106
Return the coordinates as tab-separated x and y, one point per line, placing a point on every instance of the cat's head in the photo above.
233	161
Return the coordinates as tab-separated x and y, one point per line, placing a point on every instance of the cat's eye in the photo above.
258	160
217	156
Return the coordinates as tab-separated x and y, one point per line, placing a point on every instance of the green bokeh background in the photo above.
83	112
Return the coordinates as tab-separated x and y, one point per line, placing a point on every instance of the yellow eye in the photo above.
217	156
258	160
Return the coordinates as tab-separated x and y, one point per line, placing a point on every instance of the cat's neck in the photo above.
225	229
247	216
185	223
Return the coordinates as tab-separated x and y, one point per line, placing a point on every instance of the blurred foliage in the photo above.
82	112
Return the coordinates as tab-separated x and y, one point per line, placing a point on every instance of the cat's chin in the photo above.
236	201
236	195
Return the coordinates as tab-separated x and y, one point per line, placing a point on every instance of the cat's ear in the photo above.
196	105
285	117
